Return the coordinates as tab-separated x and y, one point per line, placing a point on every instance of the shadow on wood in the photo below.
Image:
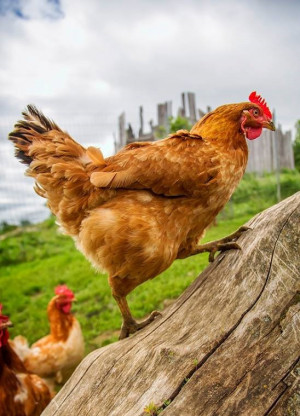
230	345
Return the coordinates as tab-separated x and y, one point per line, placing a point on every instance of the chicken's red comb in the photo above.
64	290
257	99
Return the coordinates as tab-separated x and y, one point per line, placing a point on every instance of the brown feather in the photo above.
96	156
102	179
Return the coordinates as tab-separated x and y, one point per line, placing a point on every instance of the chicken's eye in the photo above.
255	112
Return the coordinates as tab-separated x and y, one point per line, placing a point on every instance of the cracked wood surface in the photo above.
230	345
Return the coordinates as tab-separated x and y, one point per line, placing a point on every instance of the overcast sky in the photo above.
84	62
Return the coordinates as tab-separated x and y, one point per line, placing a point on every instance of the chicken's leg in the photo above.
129	325
226	243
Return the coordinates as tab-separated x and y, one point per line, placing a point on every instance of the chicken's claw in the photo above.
133	326
222	247
234	236
226	243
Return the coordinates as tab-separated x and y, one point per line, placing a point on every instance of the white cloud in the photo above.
105	57
83	63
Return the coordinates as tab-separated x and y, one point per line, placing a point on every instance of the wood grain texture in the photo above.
230	345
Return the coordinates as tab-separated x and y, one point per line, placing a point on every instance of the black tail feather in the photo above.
23	157
25	131
34	113
20	143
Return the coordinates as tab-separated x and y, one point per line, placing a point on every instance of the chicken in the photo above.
134	213
55	356
21	393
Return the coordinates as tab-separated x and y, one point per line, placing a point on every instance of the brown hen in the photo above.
134	213
21	393
55	356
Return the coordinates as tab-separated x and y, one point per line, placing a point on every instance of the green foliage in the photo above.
151	409
5	227
179	123
296	146
175	124
154	410
160	132
37	244
256	193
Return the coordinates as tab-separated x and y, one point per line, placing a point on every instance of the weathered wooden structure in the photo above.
273	151
229	346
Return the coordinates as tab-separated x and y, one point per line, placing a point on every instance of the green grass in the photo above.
256	193
34	259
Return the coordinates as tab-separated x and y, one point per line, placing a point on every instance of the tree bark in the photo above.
230	344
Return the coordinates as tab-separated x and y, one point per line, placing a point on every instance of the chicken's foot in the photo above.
226	243
130	325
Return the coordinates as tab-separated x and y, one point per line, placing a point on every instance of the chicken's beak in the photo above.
269	125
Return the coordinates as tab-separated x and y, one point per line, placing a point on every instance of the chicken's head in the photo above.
256	117
64	298
4	324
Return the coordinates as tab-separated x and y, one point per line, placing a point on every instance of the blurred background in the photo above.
91	66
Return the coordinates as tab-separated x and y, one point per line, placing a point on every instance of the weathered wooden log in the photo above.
230	345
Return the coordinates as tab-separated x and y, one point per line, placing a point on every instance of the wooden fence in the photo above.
272	151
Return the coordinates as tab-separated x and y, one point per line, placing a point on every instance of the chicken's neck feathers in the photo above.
223	128
60	323
226	138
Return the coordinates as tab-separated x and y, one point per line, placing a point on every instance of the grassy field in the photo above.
34	259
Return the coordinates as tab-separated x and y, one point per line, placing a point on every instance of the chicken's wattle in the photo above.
66	307
253	132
